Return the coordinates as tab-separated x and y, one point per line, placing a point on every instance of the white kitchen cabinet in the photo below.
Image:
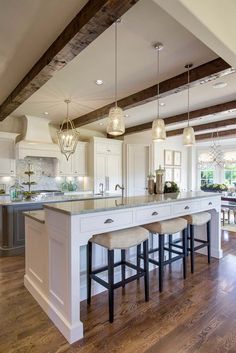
77	163
7	167
7	154
106	163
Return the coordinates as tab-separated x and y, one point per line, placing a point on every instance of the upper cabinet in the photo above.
77	163
7	154
106	163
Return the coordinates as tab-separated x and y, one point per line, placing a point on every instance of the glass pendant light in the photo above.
158	125
115	124
188	133
67	136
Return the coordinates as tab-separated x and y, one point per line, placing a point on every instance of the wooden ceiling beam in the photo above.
212	125
214	109
223	134
198	75
94	18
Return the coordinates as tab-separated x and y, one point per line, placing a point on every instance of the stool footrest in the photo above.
200	246
105	268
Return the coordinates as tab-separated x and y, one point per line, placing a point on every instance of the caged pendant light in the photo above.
158	125
188	133
67	136
115	124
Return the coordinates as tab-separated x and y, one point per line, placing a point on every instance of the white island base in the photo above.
54	262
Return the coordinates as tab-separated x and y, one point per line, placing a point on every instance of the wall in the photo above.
157	151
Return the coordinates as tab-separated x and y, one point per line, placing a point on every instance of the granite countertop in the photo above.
57	198
89	206
38	216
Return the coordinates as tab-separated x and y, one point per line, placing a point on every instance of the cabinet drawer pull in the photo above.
154	213
109	220
186	207
210	203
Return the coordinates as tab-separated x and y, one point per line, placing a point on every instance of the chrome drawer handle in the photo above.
186	207
210	203
154	213
109	220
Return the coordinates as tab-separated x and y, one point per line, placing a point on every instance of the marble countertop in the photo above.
101	205
57	198
38	216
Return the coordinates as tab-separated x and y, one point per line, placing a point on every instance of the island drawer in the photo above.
184	208
209	204
106	222
152	214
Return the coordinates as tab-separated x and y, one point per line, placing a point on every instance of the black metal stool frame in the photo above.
110	285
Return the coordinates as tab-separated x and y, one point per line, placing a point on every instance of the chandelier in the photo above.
67	136
215	156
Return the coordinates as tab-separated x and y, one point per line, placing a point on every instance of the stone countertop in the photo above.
101	205
38	216
57	199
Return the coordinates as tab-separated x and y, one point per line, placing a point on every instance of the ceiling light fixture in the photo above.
67	136
158	125
99	82
220	85
188	134
45	113
162	104
115	124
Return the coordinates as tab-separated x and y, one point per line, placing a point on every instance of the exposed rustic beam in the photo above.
94	18
214	109
225	133
202	127
201	74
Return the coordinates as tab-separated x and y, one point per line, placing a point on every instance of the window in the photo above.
230	175
207	177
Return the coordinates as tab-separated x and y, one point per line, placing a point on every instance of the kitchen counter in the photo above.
59	284
88	206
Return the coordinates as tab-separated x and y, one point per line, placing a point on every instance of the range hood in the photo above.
36	140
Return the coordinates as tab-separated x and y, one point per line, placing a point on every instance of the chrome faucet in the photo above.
101	188
120	187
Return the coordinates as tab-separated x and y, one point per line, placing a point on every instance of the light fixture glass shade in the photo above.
115	123
188	136
67	138
158	130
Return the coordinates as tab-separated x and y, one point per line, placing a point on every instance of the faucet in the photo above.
101	188
120	187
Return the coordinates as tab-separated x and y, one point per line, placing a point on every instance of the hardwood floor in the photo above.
196	315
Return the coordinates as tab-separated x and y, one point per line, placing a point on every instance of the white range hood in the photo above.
37	140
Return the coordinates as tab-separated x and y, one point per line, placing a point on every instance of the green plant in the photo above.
170	186
214	187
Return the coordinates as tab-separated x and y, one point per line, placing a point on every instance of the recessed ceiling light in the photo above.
100	123
99	82
162	104
220	85
126	115
45	113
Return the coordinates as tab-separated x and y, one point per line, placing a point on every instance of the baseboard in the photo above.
71	333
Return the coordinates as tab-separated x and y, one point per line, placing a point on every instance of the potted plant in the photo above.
214	187
171	187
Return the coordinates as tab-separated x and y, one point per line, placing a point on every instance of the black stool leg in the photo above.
138	259
161	260
111	284
185	250
123	267
89	270
146	269
209	241
192	247
170	246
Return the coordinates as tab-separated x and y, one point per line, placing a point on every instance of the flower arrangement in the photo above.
170	186
214	187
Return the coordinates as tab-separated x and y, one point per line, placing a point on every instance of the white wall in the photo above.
171	143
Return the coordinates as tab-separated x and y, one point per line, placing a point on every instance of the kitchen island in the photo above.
56	239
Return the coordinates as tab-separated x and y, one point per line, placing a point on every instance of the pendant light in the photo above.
67	136
115	124
188	133
158	125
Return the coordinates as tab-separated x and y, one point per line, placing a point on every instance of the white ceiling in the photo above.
142	26
27	29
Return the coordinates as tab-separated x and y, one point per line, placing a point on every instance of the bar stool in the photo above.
224	211
194	220
168	227
121	240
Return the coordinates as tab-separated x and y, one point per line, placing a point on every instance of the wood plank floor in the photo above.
196	315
